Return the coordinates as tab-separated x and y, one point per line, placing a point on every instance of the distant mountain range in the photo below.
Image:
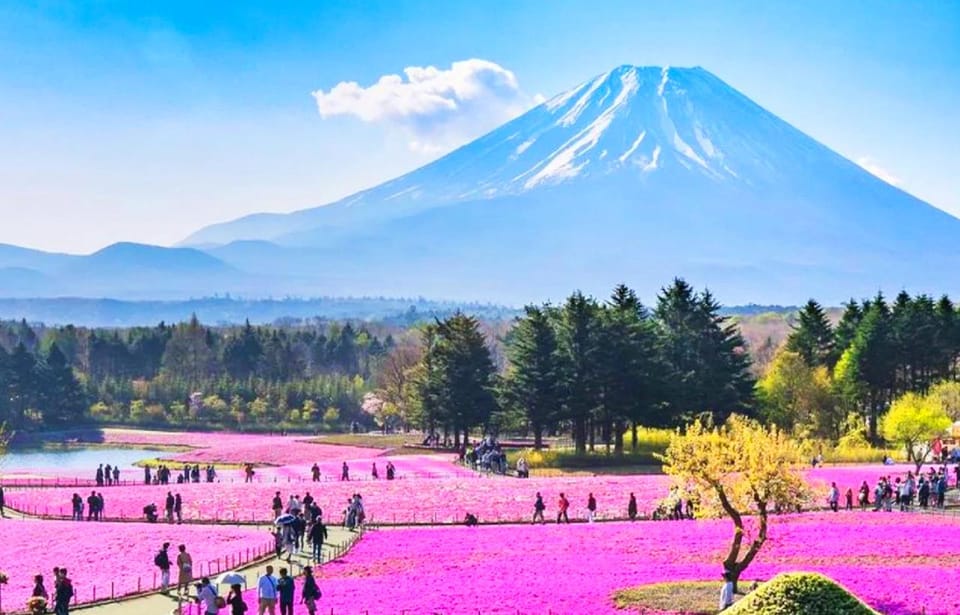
637	175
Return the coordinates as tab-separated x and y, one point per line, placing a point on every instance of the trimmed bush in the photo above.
800	593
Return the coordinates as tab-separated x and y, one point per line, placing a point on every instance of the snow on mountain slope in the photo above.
631	121
636	175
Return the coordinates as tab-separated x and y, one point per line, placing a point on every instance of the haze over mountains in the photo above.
637	175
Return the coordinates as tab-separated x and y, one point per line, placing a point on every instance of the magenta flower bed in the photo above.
241	448
411	500
897	563
98	554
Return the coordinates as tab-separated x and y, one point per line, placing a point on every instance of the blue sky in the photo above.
143	121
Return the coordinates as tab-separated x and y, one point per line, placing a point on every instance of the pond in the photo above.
75	460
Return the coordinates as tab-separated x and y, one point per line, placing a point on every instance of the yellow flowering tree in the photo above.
914	421
738	469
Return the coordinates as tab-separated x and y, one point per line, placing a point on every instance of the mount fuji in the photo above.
637	175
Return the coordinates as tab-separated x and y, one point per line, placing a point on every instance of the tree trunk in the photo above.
537	437
580	435
593	434
618	438
633	434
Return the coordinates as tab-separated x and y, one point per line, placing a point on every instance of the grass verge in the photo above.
682	597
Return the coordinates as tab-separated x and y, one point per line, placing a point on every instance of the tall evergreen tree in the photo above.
62	399
812	336
579	341
533	380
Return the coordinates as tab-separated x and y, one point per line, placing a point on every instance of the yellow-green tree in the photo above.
799	398
948	392
739	468
913	422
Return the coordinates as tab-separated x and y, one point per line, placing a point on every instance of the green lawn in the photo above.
690	597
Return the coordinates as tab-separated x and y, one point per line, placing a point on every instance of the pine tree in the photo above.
533	380
579	341
62	399
812	337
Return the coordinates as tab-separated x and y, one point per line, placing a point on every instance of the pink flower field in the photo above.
900	564
98	554
399	501
240	448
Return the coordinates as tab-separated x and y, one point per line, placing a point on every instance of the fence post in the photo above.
111	590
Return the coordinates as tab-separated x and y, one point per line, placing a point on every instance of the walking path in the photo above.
339	539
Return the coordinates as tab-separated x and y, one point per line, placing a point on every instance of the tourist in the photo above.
162	561
108	474
317	536
923	492
315	471
391	471
150	512
184	570
248	473
267	593
849	497
285	591
522	470
632	508
99	476
864	497
146	475
470	520
168	506
299	527
207	596
726	592
941	491
834	497
39	591
591	508
91	505
116	475
3	503
99	506
311	592
345	472
374	472
278	541
538	508
178	508
63	593
277	505
562	505
235	600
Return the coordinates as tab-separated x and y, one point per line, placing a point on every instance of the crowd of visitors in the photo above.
189	474
485	455
107	475
94	506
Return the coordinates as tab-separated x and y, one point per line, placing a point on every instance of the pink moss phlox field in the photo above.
411	500
898	563
96	554
852	476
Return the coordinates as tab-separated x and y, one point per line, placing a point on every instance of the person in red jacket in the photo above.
562	505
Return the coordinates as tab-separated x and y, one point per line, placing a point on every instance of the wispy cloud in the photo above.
871	165
436	109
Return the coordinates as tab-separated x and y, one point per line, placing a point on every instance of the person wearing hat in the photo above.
207	596
311	592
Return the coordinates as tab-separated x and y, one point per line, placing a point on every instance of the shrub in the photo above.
800	593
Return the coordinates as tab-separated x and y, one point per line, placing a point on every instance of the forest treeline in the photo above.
593	369
186	373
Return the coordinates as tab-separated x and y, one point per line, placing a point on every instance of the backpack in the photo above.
158	560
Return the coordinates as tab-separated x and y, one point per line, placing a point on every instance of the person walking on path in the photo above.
562	505
168	506
834	497
116	475
178	508
184	570
315	471
538	508
39	591
267	593
632	508
277	505
91	505
591	508
285	588
162	561
345	472
317	536
64	594
207	596
374	472
235	600
311	591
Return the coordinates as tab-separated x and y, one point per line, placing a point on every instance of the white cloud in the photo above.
436	109
870	165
